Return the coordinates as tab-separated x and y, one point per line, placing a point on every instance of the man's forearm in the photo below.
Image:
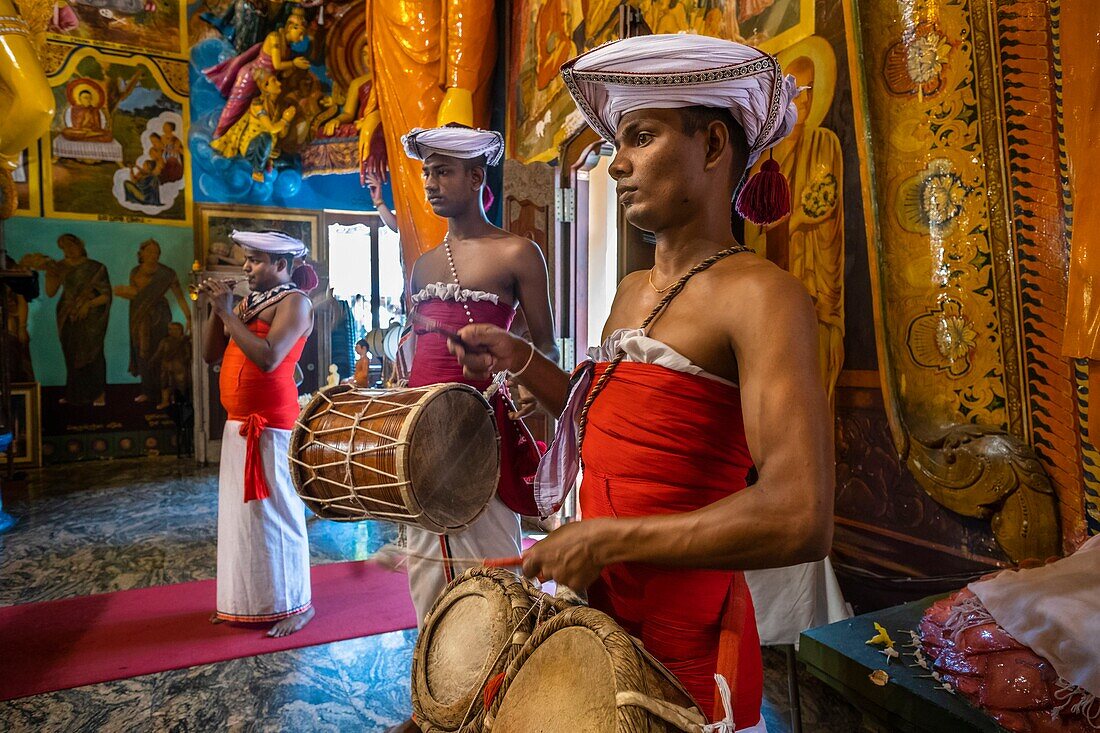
745	531
257	350
213	341
548	383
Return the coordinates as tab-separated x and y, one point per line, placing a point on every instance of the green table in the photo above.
838	655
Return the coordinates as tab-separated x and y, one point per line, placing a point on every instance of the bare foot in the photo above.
215	619
162	405
100	401
409	726
290	624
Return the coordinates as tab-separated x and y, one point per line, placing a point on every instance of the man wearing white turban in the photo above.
263	549
480	274
708	370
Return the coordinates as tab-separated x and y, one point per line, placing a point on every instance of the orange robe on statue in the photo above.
433	62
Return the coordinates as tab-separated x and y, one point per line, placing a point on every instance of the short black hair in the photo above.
696	119
362	342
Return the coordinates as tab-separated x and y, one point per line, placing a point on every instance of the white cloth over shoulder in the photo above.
1055	610
455	142
263	549
673	71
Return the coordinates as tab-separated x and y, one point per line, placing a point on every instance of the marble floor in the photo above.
115	525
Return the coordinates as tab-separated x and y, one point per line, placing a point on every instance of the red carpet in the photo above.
56	645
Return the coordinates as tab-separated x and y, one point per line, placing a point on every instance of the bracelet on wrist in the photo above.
530	358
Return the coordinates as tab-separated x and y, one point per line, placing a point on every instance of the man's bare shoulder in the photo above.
296	301
514	245
756	292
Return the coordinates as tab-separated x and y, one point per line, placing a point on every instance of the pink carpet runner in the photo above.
56	645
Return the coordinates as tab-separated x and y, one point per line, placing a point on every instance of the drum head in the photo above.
566	686
454	458
460	647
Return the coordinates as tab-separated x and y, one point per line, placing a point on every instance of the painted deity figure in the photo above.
143	187
150	314
245	22
86	120
172	155
236	78
810	242
173	360
254	136
359	120
434	62
83	311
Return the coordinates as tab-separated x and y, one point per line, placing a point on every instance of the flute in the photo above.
230	282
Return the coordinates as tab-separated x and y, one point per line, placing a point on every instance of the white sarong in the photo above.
495	534
263	550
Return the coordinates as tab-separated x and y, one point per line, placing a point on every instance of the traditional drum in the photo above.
477	625
581	673
428	456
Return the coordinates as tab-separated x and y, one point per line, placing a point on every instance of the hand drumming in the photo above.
482	349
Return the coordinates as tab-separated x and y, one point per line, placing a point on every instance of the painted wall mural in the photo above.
106	335
118	128
152	26
545	34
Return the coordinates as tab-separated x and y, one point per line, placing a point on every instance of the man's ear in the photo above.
718	142
477	175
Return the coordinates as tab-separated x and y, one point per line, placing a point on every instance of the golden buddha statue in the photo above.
26	100
433	62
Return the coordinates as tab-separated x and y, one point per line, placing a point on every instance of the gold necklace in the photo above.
658	290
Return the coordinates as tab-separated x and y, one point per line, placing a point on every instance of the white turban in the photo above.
684	70
455	142
271	242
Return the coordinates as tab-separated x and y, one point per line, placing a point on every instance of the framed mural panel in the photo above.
28	183
152	26
544	35
26	406
116	147
770	25
216	251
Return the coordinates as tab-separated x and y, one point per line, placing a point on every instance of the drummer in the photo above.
709	368
263	550
479	274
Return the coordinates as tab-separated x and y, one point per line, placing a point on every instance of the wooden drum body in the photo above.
581	673
476	627
428	456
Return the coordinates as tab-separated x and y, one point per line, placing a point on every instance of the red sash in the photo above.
660	442
259	400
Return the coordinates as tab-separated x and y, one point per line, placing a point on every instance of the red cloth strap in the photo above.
255	483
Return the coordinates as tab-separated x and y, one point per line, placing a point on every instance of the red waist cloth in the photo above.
258	399
661	442
432	363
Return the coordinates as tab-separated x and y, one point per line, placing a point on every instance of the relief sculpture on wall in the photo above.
946	293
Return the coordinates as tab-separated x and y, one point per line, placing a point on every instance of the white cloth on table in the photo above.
87	149
1054	610
263	549
494	534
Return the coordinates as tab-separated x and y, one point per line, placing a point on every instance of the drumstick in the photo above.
431	325
504	562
